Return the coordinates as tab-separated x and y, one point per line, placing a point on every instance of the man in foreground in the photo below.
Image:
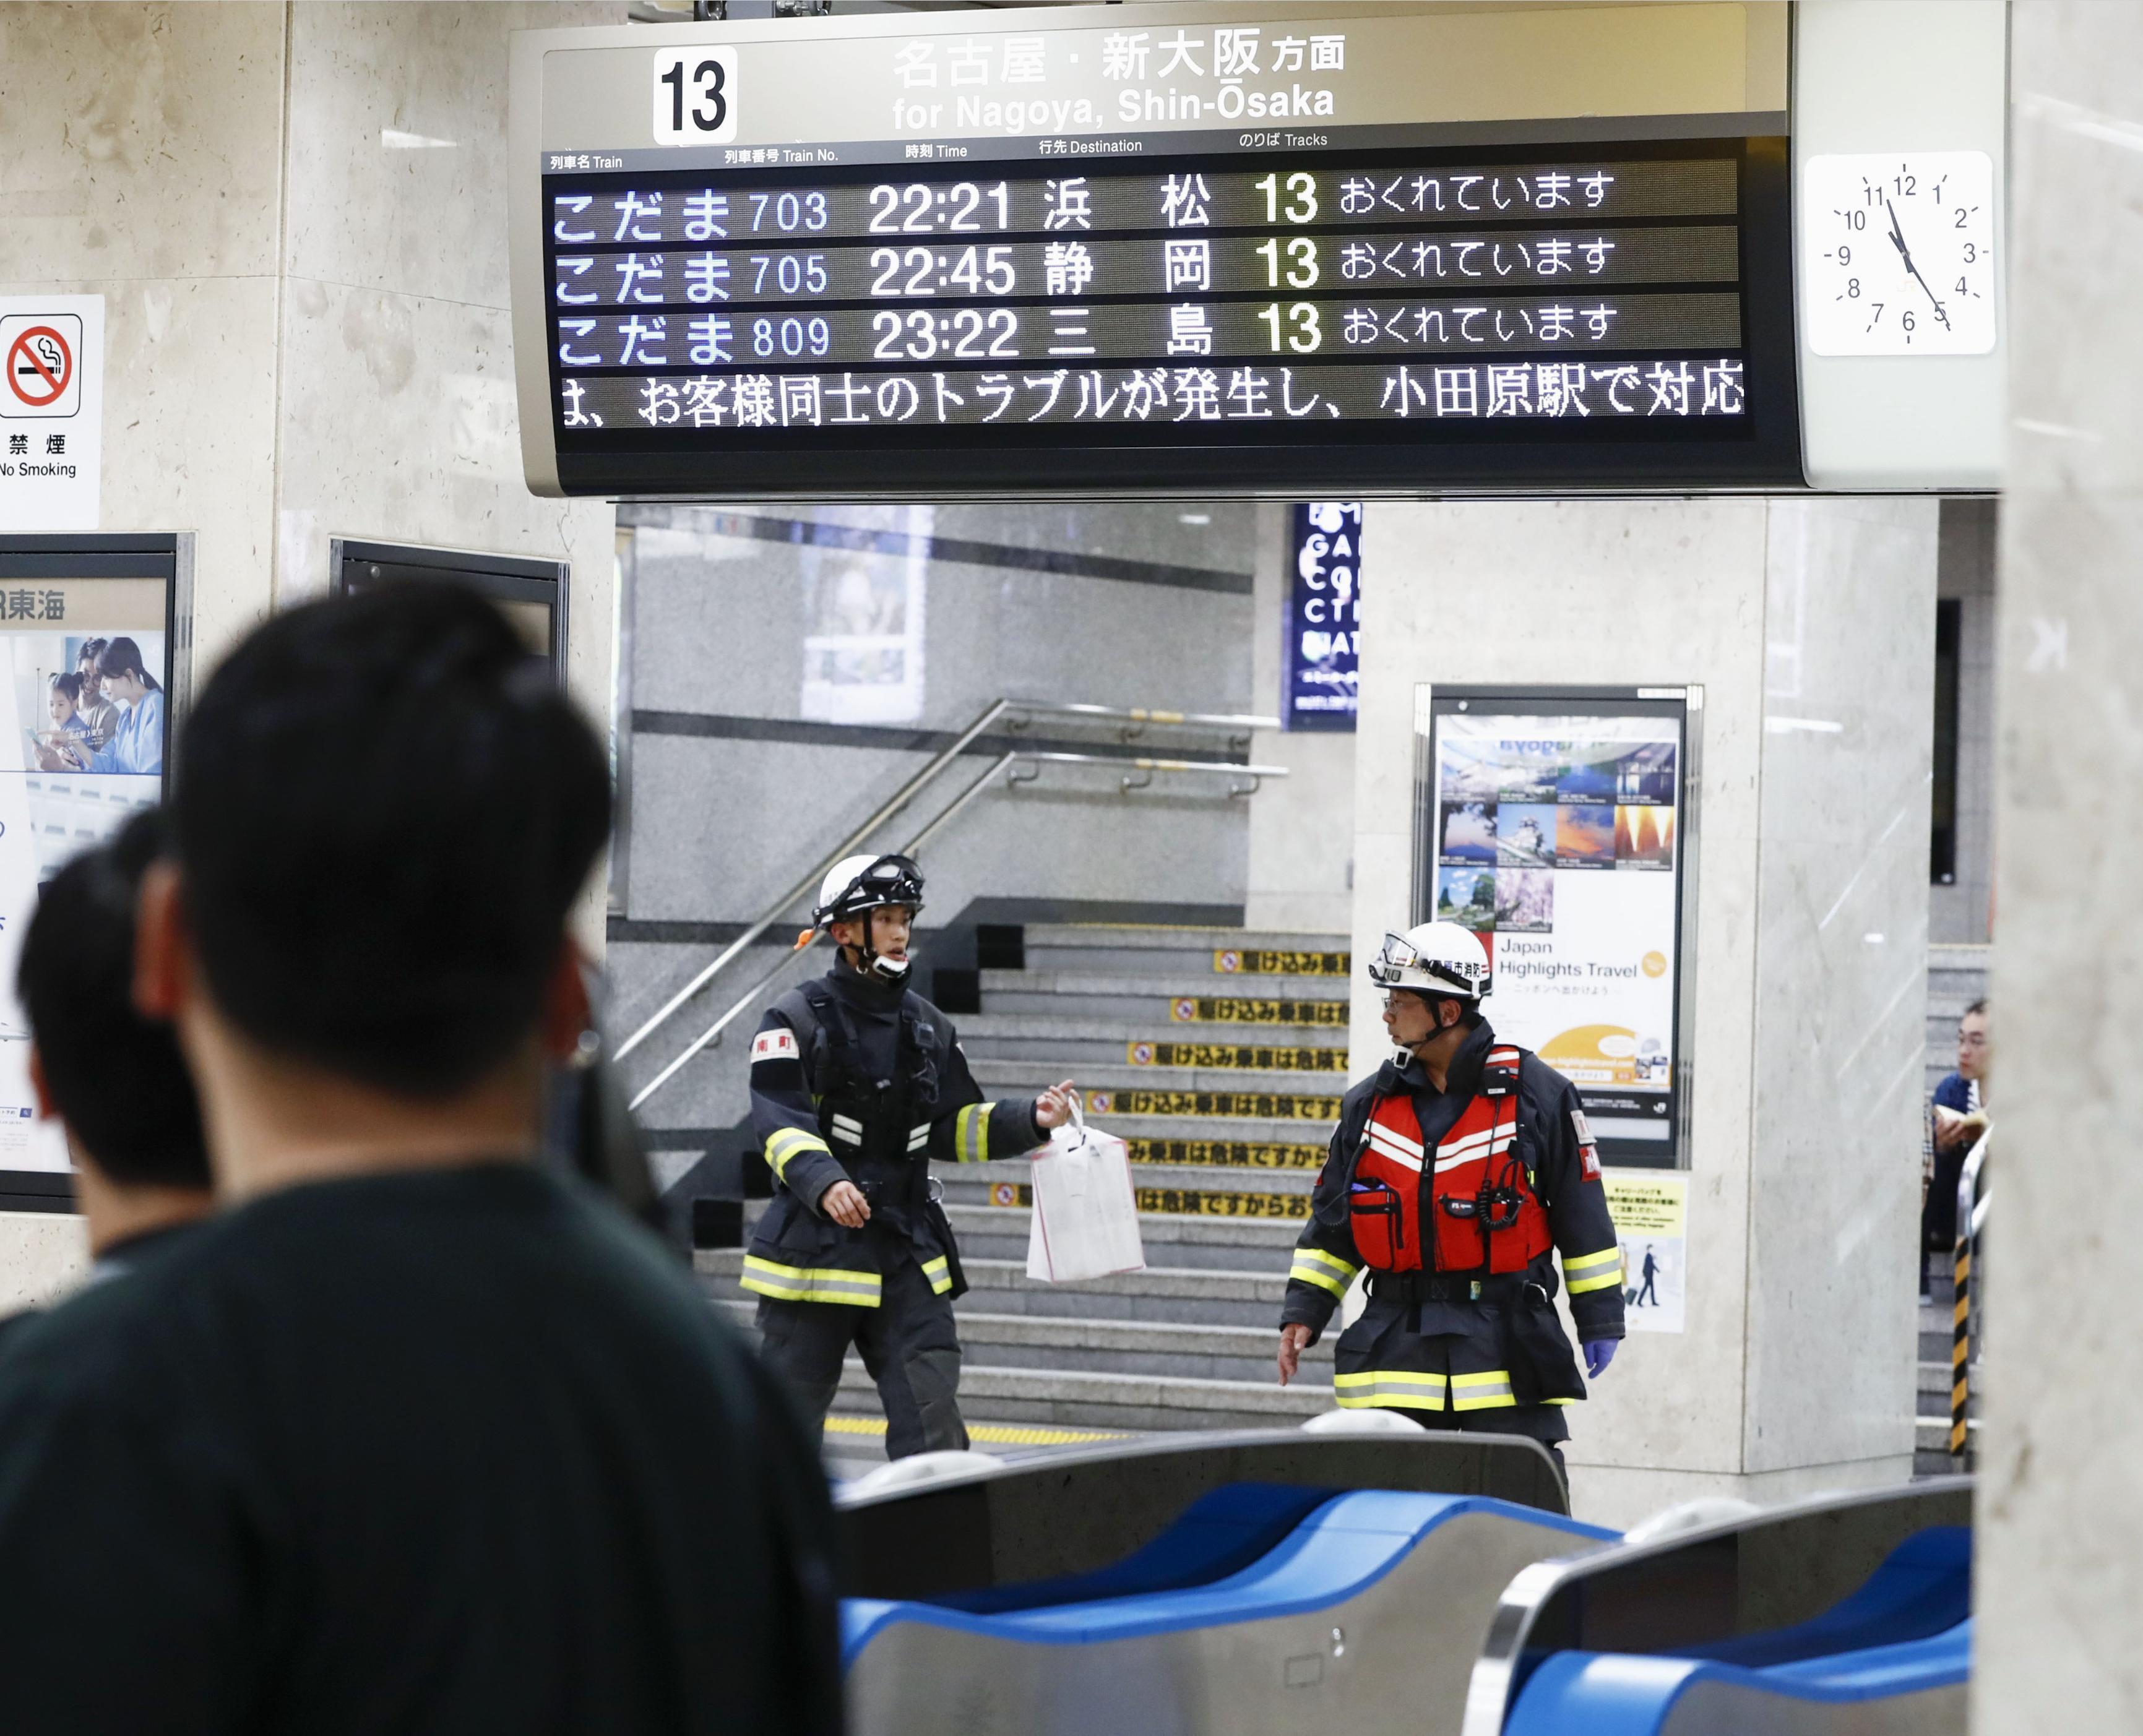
414	1437
114	1080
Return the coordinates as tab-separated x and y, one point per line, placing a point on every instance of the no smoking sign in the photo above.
42	354
52	412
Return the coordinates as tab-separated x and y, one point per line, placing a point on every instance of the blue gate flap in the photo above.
1343	1546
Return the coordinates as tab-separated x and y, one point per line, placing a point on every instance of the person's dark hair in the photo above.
385	809
1978	1006
70	685
91	649
123	657
116	1078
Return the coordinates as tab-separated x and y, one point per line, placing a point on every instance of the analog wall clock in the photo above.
1897	254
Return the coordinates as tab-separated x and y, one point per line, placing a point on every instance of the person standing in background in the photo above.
114	1080
1957	1117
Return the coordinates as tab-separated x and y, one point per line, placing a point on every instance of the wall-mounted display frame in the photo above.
75	765
1558	823
532	593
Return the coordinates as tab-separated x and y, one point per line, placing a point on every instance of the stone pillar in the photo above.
2061	1505
1809	623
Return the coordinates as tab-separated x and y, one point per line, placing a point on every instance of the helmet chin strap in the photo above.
871	963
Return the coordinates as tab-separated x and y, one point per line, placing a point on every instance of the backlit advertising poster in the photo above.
1324	615
83	673
1553	830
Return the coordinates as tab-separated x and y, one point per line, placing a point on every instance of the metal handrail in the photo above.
1970	1218
810	883
713	1032
1228	767
1140	716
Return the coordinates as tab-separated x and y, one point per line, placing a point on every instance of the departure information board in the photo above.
1044	260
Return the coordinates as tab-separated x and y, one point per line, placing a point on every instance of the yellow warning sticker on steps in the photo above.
1227	1153
995	1434
1258	1057
1187	1201
1269	1105
1224	1010
1251	962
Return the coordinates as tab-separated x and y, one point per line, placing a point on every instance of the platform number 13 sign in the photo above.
695	96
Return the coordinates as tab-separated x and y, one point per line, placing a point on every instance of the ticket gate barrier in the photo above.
1843	1613
1266	1610
1081	1511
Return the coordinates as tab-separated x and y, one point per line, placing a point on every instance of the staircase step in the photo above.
1201	1297
1003	989
1321	1054
1935	1381
1170	1002
1001	1185
1115	1346
1208	1241
1129	1402
1009	1078
1083	1024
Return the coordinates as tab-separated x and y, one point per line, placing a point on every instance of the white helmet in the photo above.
856	885
1436	958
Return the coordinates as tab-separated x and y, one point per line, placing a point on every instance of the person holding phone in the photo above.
136	746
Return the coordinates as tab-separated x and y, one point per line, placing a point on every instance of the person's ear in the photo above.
163	949
568	1012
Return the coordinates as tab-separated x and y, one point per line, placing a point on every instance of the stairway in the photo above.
1221	1055
1932	1424
1956	976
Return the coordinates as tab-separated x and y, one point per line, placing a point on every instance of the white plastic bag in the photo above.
1085	1216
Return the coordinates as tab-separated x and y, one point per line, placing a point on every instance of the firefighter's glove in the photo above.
1599	1353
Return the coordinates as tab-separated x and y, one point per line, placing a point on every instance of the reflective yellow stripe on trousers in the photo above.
939	1273
1395	1389
971	1134
1593	1271
1482	1392
809	1284
784	1143
1327	1271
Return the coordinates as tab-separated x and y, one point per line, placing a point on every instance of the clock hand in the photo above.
1897	241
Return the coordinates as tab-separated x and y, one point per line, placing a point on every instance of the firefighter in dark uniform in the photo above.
1455	1176
857	1082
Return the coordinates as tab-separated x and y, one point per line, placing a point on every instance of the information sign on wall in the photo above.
1552	824
1651	1226
1321	651
52	412
1148	247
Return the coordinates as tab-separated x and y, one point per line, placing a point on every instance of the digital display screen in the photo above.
1379	305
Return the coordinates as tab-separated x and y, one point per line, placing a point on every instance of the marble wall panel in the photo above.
398	425
1666	592
721	828
140	142
1960	914
397	147
1301	826
42	1256
719	621
1841	977
2059	1555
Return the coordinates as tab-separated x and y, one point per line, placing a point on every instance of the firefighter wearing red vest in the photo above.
1455	1176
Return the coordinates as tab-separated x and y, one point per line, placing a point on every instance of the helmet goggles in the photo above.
1400	963
889	880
